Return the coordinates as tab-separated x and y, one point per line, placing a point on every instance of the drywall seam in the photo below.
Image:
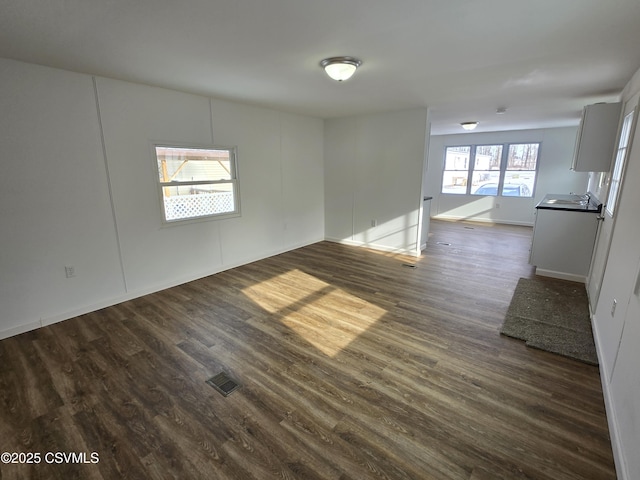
106	167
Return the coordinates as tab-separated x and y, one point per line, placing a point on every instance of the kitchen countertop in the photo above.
569	203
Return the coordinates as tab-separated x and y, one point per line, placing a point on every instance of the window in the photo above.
616	176
485	177
197	182
520	174
456	169
507	170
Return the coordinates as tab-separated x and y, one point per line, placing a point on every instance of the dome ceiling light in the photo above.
469	125
340	68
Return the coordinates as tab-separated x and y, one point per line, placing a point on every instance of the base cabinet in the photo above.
563	243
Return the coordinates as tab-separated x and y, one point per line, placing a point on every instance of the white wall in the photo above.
618	334
554	176
66	201
373	172
55	202
54	198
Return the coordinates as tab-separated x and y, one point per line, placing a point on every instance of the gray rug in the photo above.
552	315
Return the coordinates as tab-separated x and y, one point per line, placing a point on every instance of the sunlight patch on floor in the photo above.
327	317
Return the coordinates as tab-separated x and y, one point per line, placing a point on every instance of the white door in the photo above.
625	388
621	333
596	274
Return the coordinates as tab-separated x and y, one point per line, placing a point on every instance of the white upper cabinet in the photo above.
596	138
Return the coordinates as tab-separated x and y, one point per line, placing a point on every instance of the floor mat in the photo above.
552	315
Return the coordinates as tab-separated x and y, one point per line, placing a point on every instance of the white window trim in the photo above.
617	173
503	167
234	180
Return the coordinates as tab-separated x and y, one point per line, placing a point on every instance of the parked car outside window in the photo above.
508	190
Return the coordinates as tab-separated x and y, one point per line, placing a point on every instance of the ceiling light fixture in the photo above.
340	68
469	125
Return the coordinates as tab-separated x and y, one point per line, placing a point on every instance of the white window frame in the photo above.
503	168
472	168
619	163
457	171
233	180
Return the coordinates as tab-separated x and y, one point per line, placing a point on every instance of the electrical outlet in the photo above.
497	205
613	307
374	223
69	271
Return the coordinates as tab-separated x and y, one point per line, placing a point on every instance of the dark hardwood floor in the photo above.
352	366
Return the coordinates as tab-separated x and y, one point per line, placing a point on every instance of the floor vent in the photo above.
444	243
223	383
408	265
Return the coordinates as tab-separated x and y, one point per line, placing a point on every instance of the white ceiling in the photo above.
543	59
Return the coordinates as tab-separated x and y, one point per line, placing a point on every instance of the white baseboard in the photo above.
373	246
481	220
13	331
561	275
51	319
612	419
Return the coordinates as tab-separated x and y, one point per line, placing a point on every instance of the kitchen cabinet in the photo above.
563	241
596	137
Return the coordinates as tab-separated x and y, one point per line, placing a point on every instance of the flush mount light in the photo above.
340	68
469	125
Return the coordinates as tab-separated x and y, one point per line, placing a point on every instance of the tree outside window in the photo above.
508	170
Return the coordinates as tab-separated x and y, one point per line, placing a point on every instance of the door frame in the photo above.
634	103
